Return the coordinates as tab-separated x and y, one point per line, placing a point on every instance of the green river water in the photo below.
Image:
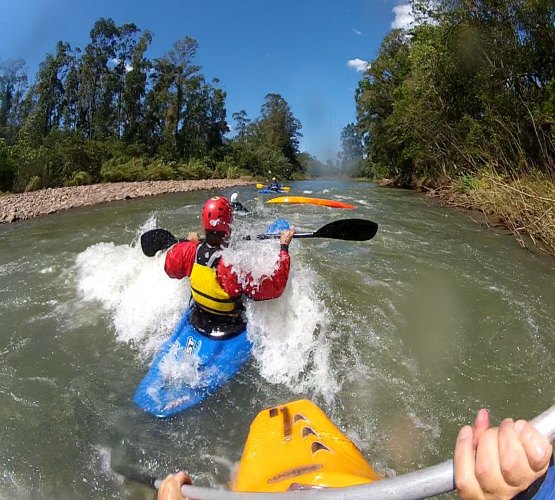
400	339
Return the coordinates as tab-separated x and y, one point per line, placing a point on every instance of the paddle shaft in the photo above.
428	482
156	240
277	236
424	483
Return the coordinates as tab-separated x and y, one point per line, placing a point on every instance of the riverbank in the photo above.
21	206
525	206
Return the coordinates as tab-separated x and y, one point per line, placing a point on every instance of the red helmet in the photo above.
217	215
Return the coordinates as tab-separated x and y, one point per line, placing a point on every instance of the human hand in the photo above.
192	236
170	489
498	462
286	236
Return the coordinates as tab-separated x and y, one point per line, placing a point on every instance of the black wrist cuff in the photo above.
285	247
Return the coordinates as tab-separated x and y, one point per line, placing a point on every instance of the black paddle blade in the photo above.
348	229
155	240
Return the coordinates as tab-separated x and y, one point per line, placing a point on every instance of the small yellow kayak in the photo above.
295	446
306	200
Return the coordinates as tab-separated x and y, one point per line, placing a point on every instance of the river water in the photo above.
400	339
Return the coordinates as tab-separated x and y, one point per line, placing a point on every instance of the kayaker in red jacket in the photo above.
215	287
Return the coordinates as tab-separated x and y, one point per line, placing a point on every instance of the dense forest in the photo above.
463	102
107	113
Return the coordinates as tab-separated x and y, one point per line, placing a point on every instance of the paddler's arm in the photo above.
180	259
269	287
170	489
501	462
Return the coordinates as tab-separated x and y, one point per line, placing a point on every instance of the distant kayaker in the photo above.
236	205
215	287
274	185
490	463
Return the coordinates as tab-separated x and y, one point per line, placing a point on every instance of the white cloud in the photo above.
404	17
115	61
358	64
357	32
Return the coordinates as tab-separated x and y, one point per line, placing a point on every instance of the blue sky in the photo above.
309	51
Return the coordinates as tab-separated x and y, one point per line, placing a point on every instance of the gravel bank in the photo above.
22	206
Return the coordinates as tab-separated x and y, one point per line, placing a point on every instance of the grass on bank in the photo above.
525	205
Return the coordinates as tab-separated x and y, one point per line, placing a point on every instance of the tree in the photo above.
7	167
352	150
375	99
96	88
241	123
135	87
48	93
13	83
278	129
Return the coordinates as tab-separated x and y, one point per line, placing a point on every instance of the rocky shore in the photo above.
22	206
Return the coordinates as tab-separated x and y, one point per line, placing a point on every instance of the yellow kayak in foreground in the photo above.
296	446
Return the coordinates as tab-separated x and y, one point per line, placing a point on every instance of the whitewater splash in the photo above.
145	306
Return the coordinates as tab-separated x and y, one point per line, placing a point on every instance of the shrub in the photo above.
194	169
122	169
31	162
34	184
226	169
158	171
7	167
80	179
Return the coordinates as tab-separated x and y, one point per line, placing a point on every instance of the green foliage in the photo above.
470	90
108	113
227	170
34	184
31	162
80	179
158	171
7	167
123	169
68	152
193	170
375	170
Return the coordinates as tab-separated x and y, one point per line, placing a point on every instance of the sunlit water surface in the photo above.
400	339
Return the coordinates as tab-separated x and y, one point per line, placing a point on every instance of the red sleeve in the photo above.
180	259
269	287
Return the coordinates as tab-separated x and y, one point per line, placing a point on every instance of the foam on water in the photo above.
144	306
178	365
142	303
288	333
289	340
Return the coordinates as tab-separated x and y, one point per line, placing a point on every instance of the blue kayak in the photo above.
191	365
272	191
203	364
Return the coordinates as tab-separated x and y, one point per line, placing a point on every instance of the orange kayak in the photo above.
306	200
295	446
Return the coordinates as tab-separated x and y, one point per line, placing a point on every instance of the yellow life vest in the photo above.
206	290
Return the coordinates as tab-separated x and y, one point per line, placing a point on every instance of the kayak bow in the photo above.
295	446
